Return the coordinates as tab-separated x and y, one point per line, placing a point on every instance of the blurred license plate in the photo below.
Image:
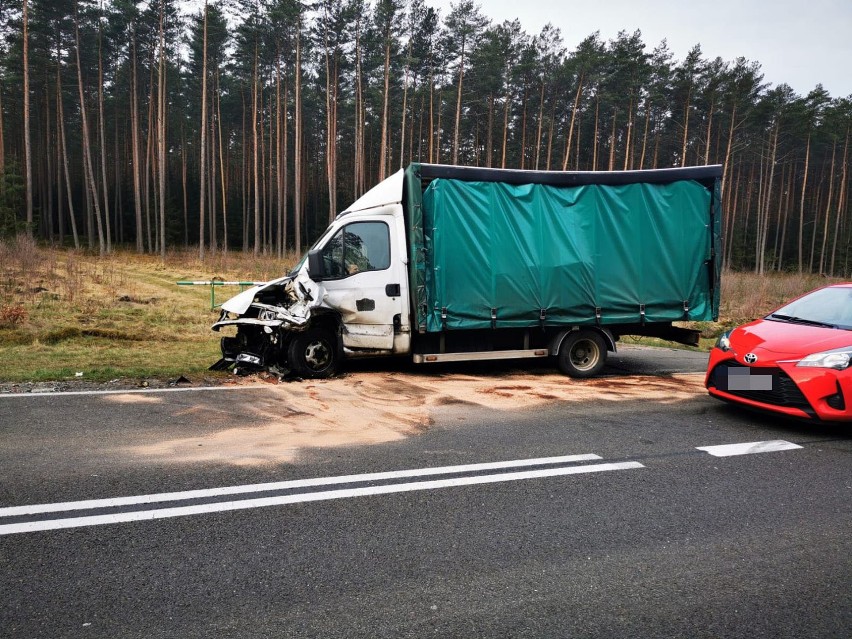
744	379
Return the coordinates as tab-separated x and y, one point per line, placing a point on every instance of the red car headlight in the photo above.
838	359
724	341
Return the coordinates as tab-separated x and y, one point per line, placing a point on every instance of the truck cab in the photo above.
347	297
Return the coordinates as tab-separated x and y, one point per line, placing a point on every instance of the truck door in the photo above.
363	282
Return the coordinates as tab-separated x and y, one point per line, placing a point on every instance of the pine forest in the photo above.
249	124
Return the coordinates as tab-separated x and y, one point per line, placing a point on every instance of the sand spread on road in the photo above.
371	408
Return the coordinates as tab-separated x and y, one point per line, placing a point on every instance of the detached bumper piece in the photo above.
233	355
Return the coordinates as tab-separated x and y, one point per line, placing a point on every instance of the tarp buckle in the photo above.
493	318
598	315
444	317
542	316
642	314
686	308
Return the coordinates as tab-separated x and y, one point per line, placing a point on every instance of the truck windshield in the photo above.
304	257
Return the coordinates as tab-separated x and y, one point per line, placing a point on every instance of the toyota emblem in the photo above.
750	358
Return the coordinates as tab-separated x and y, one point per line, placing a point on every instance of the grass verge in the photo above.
68	314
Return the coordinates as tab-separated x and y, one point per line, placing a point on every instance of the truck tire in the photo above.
313	353
582	354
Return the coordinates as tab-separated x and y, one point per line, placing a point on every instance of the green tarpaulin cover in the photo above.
491	254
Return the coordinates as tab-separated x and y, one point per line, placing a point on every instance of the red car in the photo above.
795	361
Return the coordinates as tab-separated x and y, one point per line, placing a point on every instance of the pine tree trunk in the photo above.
709	129
135	160
285	172
431	115
577	96
161	132
728	152
358	169
297	160
828	198
28	162
540	126
2	144
612	142
149	156
457	131
802	205
550	134
183	176
61	116
87	155
60	207
597	134
102	136
786	179
223	173
629	140
202	171
404	107
489	141
331	86
841	197
645	136
254	144
506	104
278	176
211	183
685	128
384	145
47	212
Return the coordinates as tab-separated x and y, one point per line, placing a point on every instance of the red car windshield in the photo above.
829	307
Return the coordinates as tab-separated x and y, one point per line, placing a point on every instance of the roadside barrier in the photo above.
218	281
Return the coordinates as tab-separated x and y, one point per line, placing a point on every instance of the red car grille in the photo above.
784	390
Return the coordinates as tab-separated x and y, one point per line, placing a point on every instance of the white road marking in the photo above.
285	485
750	448
131	390
163	513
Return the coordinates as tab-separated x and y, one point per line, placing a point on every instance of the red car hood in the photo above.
783	340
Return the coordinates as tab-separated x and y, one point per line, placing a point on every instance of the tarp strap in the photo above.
444	317
493	318
598	315
542	316
642	314
686	309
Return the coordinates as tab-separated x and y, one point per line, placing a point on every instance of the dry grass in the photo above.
746	296
64	312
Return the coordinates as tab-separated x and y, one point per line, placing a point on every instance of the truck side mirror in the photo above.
315	266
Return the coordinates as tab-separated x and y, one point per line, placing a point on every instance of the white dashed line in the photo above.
750	448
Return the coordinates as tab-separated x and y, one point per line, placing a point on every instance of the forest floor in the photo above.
73	317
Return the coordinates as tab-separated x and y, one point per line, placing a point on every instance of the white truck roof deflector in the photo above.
388	191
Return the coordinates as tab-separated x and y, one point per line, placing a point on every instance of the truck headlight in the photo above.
724	341
838	359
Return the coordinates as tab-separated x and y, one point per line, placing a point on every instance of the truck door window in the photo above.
357	247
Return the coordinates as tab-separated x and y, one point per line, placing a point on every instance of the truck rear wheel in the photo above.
313	353
582	354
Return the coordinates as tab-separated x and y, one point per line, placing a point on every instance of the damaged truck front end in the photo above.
280	328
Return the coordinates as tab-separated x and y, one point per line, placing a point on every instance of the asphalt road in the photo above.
620	526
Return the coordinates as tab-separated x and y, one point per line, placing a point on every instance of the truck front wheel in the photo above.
582	354
313	353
